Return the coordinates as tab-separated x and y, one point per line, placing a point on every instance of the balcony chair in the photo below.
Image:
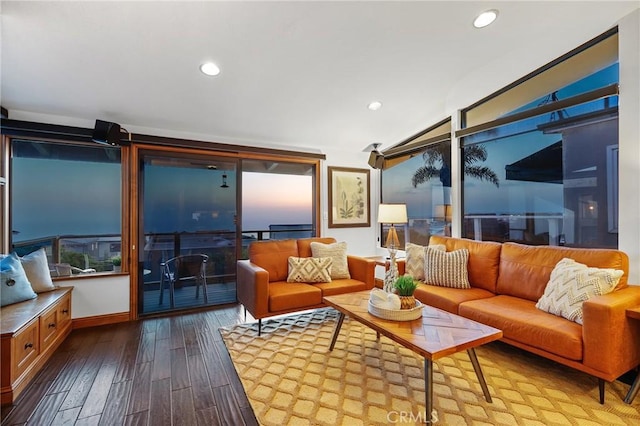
183	268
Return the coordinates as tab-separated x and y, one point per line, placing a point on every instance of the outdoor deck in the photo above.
185	297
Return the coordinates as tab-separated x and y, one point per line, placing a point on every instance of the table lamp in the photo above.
392	214
444	212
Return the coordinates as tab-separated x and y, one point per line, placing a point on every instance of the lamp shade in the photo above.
443	212
392	213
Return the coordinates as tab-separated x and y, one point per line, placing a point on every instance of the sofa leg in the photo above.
601	389
259	326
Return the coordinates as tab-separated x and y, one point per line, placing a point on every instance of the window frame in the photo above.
124	191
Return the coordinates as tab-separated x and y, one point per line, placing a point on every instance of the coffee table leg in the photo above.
478	370
336	331
633	390
428	389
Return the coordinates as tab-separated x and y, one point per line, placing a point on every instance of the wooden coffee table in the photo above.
436	335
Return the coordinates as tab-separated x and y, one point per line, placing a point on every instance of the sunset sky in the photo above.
276	199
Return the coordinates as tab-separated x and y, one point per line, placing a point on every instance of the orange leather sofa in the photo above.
262	279
508	279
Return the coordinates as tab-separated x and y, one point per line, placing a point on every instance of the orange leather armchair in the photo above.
262	283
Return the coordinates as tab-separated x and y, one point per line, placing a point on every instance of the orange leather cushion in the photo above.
304	244
525	270
284	296
273	256
340	286
447	298
521	321
484	259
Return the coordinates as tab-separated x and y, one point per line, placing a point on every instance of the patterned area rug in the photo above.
291	378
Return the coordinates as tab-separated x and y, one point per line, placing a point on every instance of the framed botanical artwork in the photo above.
349	198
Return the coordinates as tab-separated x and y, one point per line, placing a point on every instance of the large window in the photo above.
278	200
66	198
417	172
555	156
423	183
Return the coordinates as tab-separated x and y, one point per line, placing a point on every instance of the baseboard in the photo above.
100	320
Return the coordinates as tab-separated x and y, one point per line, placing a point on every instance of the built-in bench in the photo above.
31	332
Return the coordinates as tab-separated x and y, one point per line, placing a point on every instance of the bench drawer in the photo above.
64	311
48	327
26	347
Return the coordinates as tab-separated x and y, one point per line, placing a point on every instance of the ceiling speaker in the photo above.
107	133
376	160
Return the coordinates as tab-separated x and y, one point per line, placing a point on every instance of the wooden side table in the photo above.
380	261
384	262
633	390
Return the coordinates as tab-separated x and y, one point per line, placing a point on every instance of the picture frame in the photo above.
349	197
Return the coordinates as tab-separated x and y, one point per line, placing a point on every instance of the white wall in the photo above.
629	162
98	296
360	241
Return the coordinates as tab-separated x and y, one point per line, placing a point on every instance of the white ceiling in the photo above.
295	74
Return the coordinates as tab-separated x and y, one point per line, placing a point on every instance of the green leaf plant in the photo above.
405	285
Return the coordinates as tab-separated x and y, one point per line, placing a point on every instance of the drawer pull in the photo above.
52	325
28	345
65	311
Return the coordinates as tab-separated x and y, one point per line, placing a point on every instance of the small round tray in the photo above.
397	314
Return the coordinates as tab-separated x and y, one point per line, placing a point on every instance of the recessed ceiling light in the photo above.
209	68
375	105
485	18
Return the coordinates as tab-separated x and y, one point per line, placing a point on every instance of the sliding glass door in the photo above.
187	231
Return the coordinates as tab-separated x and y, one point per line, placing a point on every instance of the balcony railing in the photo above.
96	251
80	251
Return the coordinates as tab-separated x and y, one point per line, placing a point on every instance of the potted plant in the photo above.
404	287
117	263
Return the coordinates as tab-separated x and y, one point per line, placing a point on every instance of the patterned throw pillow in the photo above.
414	264
446	269
571	283
309	270
337	252
14	285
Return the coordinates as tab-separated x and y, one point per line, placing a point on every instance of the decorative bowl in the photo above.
397	314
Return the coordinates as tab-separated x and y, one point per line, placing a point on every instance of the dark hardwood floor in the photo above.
161	371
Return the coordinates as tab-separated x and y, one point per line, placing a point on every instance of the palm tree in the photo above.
442	153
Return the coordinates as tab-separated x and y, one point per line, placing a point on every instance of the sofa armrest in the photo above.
610	337
253	288
362	269
402	266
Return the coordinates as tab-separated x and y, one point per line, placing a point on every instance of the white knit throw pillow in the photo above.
571	284
338	253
